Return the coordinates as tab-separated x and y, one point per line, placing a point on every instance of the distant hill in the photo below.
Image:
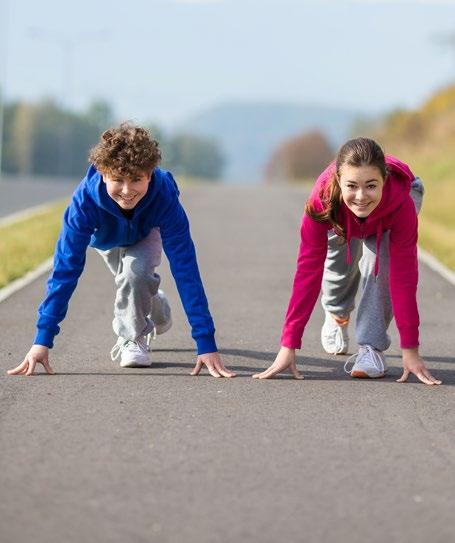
249	132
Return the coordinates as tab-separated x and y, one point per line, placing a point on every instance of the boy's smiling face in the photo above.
127	191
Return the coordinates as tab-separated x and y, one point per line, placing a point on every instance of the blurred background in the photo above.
247	91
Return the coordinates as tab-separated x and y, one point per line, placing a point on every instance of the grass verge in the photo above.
437	218
437	222
27	243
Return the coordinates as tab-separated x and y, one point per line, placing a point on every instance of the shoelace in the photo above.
374	358
338	334
116	349
151	336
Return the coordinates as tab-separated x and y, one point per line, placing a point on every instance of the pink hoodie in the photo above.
395	213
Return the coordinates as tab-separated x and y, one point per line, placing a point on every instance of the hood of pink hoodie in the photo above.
396	189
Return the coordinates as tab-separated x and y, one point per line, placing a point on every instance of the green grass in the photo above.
437	218
27	243
437	223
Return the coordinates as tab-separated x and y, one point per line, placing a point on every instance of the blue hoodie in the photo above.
94	219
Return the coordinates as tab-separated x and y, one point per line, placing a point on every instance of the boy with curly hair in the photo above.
128	209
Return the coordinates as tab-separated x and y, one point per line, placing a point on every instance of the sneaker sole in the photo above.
363	375
135	364
337	353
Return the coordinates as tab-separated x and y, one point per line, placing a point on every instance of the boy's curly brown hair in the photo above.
125	150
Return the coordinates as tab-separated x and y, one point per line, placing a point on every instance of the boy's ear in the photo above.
102	175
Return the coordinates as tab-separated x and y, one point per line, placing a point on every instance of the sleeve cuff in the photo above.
290	342
206	344
409	337
44	337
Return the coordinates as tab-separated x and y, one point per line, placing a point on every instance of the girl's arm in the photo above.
285	359
305	292
403	290
307	281
413	363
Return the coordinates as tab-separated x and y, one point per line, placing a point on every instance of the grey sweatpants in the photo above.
138	306
341	282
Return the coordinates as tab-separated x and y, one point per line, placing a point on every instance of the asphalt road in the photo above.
98	453
19	193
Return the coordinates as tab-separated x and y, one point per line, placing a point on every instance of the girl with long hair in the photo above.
359	228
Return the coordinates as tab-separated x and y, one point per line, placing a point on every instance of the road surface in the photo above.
98	453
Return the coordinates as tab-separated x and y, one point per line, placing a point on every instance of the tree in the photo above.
194	156
301	157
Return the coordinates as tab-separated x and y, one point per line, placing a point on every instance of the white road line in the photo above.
436	266
42	268
28	278
26	213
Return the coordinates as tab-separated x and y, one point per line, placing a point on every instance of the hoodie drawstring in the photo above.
378	248
348	241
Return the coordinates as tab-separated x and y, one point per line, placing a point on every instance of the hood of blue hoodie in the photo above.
112	228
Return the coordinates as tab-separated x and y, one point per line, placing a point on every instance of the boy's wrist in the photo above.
44	337
206	344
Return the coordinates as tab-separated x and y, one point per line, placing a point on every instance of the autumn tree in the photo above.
301	157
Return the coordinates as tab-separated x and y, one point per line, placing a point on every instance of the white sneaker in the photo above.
334	335
369	363
132	354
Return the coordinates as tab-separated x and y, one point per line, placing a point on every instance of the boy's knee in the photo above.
140	275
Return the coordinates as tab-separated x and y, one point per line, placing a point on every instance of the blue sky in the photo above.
164	60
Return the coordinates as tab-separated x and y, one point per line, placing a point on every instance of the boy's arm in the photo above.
180	251
38	354
69	261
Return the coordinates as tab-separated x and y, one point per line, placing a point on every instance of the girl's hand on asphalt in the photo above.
285	359
214	365
413	363
38	354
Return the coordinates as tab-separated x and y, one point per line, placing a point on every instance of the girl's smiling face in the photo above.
361	188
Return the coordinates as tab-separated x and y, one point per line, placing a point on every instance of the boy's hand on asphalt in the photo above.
285	359
38	354
214	365
413	363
